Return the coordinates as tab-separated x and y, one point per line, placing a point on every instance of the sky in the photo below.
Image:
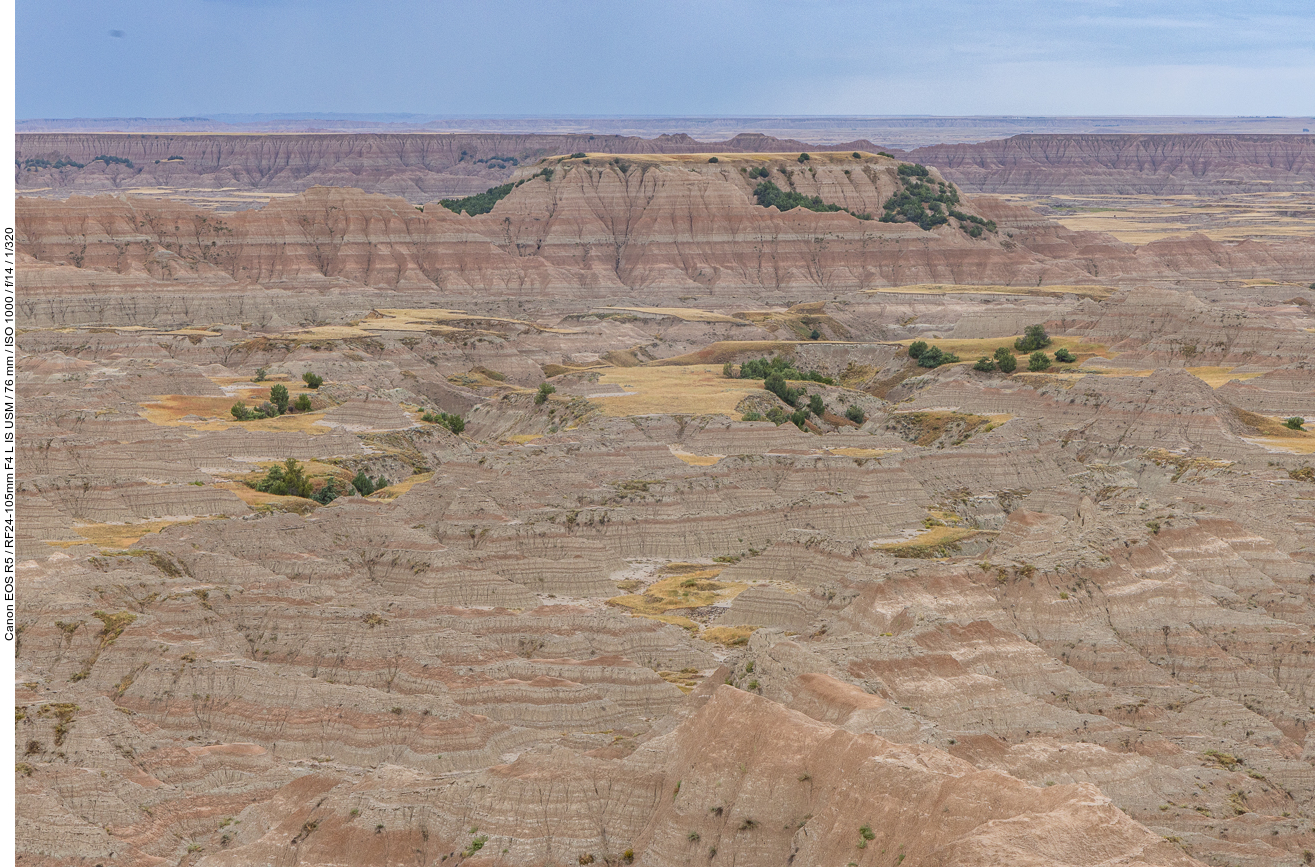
177	58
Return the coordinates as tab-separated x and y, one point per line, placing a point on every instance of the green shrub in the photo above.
803	158
480	203
984	363
776	384
815	405
855	414
278	395
288	480
752	416
814	335
241	413
302	404
759	172
728	370
770	195
934	356
1006	360
1295	423
713	160
311	380
917	348
761	368
329	491
108	160
1065	356
1038	361
913	170
578	155
1034	338
545	389
366	486
261	373
857	155
777	416
451	421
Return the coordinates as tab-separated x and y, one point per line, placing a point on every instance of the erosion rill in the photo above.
618	516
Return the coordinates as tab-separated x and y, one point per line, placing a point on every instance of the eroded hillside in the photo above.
543	564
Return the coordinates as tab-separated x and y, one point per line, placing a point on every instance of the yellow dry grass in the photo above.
1140	219
1274	435
262	501
726	350
171	410
934	543
970	349
436	320
686	314
1217	376
115	535
523	438
861	453
688	390
696	460
673	619
728	636
1285	444
680	591
392	492
1096	292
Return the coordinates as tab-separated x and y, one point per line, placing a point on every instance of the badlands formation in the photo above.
949	616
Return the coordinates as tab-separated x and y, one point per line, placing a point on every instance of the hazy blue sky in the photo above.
170	58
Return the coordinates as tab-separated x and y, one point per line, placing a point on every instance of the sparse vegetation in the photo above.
285	480
480	203
855	414
929	205
365	486
770	195
984	364
1005	360
1034	338
545	389
312	380
930	356
451	421
1296	422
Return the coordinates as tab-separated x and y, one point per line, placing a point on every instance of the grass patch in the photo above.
726	350
115	535
1183	464
685	314
683	590
861	453
696	460
1272	428
172	410
934	543
687	390
728	636
1217	376
970	349
392	492
925	428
